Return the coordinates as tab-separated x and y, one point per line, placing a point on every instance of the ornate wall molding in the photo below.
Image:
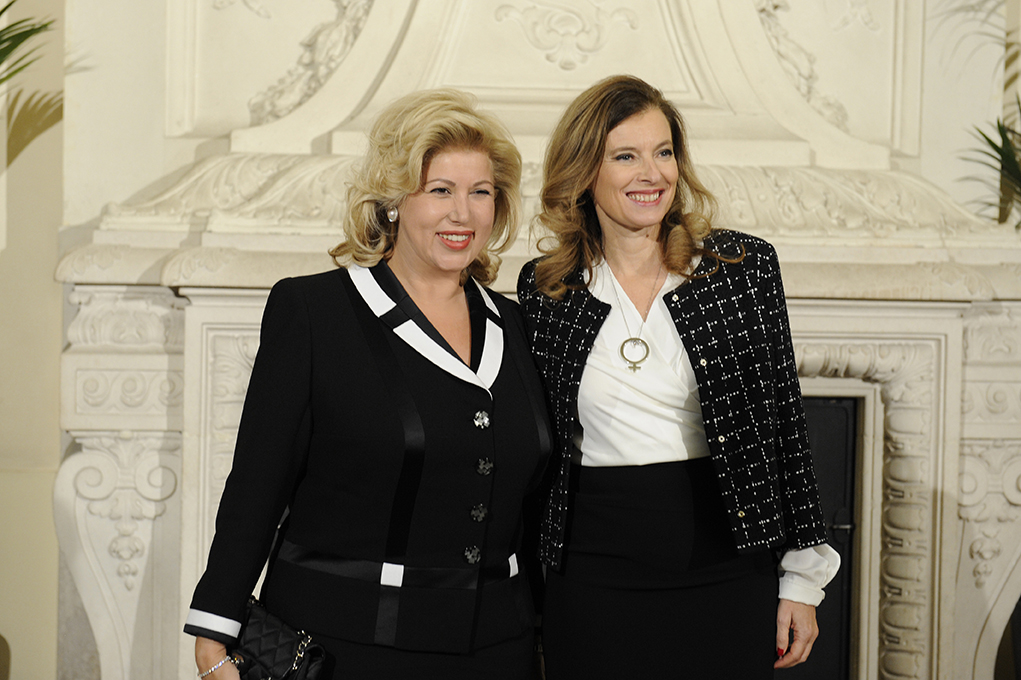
122	368
254	6
989	484
249	219
798	63
567	35
990	488
907	373
858	11
124	317
231	357
109	499
323	51
992	333
270	192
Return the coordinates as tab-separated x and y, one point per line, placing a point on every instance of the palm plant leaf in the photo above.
12	39
1000	152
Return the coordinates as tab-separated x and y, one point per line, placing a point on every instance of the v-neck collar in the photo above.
388	300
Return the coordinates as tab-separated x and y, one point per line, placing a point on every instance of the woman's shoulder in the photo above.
311	282
309	289
503	303
527	272
722	241
526	279
739	251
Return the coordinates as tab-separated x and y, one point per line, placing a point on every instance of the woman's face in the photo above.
638	176
443	227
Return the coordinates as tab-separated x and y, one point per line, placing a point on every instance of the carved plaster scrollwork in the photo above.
323	51
293	194
118	367
568	35
843	205
217	183
990	497
254	6
992	334
268	193
126	318
126	483
858	10
77	265
108	499
798	63
990	402
906	375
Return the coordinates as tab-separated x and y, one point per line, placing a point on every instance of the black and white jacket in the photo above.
734	326
402	470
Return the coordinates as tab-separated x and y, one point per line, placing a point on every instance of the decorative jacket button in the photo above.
740	513
479	512
484	466
472	554
481	420
702	362
721	439
674	297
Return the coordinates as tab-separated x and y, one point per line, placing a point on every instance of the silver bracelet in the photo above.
220	663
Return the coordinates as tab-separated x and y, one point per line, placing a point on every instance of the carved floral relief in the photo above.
568	35
322	51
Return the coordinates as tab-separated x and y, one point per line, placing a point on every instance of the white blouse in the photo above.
653	415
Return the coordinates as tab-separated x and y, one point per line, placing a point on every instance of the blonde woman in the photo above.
393	425
682	464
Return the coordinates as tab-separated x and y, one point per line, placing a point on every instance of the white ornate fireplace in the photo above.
898	297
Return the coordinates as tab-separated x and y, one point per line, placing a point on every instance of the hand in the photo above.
801	619
208	653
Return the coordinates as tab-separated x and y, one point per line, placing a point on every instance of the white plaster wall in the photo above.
962	88
114	115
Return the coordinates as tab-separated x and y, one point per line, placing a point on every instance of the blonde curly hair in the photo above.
406	136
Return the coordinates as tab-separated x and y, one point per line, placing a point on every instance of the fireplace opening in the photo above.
833	432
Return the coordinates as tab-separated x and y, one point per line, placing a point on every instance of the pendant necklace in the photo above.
634	350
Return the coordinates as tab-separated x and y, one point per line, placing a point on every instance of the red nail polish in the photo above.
780	652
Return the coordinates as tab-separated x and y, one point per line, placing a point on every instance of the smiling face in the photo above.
443	227
638	176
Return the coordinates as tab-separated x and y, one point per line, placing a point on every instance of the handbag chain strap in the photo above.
302	644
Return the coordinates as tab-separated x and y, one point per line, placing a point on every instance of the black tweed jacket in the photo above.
734	326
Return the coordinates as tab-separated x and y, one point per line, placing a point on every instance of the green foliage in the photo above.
26	119
1000	152
14	59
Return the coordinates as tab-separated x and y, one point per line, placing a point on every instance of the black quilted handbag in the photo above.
269	649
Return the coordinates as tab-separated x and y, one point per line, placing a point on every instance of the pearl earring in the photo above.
391	214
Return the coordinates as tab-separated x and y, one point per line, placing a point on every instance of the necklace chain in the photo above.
634	342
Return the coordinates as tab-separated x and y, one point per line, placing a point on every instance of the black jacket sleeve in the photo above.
268	457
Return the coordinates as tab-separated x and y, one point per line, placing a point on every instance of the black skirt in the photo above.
652	584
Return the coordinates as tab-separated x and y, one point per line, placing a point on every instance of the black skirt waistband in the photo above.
652	526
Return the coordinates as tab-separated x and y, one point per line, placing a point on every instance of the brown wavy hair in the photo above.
406	136
573	158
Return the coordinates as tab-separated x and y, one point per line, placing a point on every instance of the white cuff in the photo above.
220	624
804	573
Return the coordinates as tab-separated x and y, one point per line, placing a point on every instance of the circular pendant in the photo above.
634	351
